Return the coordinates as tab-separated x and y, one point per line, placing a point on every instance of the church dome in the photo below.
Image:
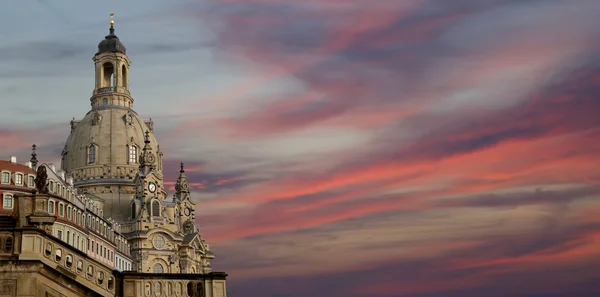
106	144
111	44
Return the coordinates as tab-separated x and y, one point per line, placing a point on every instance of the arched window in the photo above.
111	283
157	288
199	290
100	277
8	245
90	271
7	202
5	177
105	101
92	154
108	71
58	254
190	289
51	207
157	268
124	76
155	208
48	250
69	260
19	179
132	154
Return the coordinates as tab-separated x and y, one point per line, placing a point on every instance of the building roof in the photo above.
15	167
111	44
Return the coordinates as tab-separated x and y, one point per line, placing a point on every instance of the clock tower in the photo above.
164	236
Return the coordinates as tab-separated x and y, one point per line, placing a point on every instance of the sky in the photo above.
430	148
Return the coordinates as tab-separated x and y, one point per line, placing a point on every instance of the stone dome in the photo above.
111	44
112	130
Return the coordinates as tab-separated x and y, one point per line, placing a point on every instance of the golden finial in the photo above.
112	19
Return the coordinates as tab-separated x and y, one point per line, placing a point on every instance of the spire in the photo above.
147	158
112	24
111	42
34	160
182	187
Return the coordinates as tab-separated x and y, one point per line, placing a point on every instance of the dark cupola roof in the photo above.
111	43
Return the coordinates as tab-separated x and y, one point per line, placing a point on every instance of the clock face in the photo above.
187	211
152	187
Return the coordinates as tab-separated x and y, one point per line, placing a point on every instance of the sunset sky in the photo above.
376	148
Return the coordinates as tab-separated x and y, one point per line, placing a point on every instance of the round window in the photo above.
158	241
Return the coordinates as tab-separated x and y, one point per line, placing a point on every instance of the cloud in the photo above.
421	149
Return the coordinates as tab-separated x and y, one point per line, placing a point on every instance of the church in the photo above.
103	223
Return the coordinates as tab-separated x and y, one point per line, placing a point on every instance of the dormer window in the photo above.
51	186
31	182
92	154
5	177
19	179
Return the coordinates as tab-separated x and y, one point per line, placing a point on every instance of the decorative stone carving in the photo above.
8	287
128	118
96	118
188	227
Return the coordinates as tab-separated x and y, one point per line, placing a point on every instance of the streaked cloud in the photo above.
413	148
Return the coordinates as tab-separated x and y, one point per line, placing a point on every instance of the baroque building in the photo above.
103	224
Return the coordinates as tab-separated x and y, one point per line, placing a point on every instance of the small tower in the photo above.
147	158
185	206
112	71
182	187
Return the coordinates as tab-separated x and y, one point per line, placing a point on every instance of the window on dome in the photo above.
7	201
132	154
92	154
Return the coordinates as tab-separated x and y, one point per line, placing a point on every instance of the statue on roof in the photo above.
41	180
